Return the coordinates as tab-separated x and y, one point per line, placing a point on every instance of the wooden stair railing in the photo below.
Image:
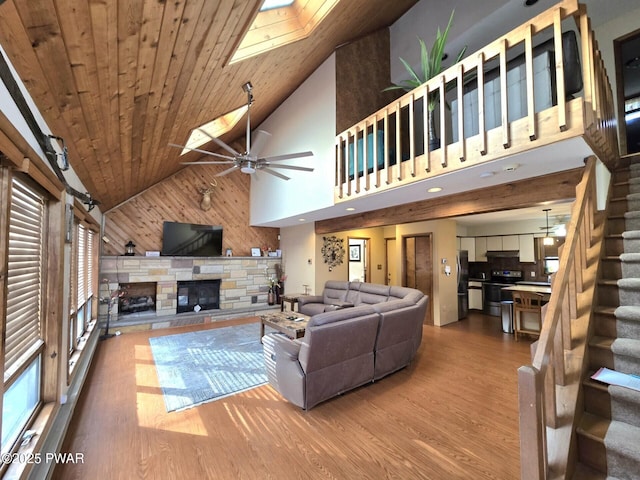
375	155
548	388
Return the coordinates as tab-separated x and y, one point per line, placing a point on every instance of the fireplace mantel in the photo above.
243	279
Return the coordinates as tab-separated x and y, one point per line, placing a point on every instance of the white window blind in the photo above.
24	274
82	254
90	236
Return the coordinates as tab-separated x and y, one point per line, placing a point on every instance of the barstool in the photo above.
527	302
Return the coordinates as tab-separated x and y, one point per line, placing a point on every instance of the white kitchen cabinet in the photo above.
481	249
527	248
469	244
494	244
510	242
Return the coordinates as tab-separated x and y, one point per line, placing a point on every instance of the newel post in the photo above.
532	435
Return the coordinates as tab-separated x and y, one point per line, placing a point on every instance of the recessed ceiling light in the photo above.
301	219
487	174
434	189
350	209
512	167
530	3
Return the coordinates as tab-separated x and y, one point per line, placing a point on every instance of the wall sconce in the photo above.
129	248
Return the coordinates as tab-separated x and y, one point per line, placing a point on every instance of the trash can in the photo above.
506	307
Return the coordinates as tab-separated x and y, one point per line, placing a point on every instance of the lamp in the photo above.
129	248
547	240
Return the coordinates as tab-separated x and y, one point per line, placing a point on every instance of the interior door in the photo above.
418	267
391	262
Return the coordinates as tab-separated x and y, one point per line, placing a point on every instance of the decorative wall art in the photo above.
333	251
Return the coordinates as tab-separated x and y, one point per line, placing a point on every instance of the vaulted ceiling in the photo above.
120	79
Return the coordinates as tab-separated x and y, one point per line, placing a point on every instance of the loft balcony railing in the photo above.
543	82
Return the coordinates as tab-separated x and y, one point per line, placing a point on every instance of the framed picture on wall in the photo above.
354	253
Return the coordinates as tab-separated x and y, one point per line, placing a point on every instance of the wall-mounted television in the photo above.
191	240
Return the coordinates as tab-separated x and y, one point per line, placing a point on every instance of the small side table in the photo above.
292	298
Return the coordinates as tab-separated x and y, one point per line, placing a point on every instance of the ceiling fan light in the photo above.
248	169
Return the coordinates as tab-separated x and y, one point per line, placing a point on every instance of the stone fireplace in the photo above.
243	281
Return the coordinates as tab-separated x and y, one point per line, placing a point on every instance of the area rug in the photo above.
199	367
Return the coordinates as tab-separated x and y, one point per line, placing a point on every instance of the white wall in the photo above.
305	121
298	246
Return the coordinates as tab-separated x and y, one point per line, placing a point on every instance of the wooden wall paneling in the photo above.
362	73
177	199
556	186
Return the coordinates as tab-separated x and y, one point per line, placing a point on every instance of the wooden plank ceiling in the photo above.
120	79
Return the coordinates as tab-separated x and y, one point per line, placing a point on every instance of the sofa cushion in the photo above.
383	307
335	291
339	315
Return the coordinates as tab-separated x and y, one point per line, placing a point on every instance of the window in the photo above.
83	272
23	343
280	23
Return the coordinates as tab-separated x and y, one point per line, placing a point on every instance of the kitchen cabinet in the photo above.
475	295
510	242
469	244
481	249
494	244
527	248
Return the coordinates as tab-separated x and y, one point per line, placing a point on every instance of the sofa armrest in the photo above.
291	377
305	299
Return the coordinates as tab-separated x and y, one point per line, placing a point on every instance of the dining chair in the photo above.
527	303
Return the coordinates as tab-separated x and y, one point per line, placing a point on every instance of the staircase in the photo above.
608	434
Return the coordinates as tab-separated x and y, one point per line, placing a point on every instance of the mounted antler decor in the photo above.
205	203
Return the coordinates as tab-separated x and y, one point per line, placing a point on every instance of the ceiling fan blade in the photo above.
291	167
273	172
201	151
287	156
213	162
221	143
227	171
259	141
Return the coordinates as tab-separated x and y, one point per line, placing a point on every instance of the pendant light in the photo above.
547	240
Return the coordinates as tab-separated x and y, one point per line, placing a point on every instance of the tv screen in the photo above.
191	240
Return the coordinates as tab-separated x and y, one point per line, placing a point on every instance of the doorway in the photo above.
627	57
418	267
391	262
359	259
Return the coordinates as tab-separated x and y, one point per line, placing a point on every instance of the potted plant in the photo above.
431	65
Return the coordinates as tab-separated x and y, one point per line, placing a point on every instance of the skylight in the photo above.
215	128
271	4
280	22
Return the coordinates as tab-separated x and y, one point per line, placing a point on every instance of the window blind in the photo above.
81	263
90	252
24	274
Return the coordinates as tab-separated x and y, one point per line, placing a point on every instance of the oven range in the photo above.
493	293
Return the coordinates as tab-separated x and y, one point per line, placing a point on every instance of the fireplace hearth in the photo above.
198	295
137	297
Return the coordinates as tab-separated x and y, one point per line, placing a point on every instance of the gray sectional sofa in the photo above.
358	333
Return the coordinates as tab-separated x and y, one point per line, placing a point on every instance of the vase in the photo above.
271	297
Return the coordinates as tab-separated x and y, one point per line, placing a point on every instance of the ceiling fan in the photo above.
249	161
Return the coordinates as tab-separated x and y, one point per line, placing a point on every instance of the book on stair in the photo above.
617	378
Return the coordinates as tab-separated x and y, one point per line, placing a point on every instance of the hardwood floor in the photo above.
452	414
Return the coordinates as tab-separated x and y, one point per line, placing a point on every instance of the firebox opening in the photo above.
198	295
137	297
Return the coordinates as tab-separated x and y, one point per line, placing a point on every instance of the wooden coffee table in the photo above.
285	322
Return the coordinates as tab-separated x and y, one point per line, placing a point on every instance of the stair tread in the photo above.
593	426
606	310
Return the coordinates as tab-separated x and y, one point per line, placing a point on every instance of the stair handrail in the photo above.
537	382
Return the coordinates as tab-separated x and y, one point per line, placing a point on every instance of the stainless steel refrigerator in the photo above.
462	261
